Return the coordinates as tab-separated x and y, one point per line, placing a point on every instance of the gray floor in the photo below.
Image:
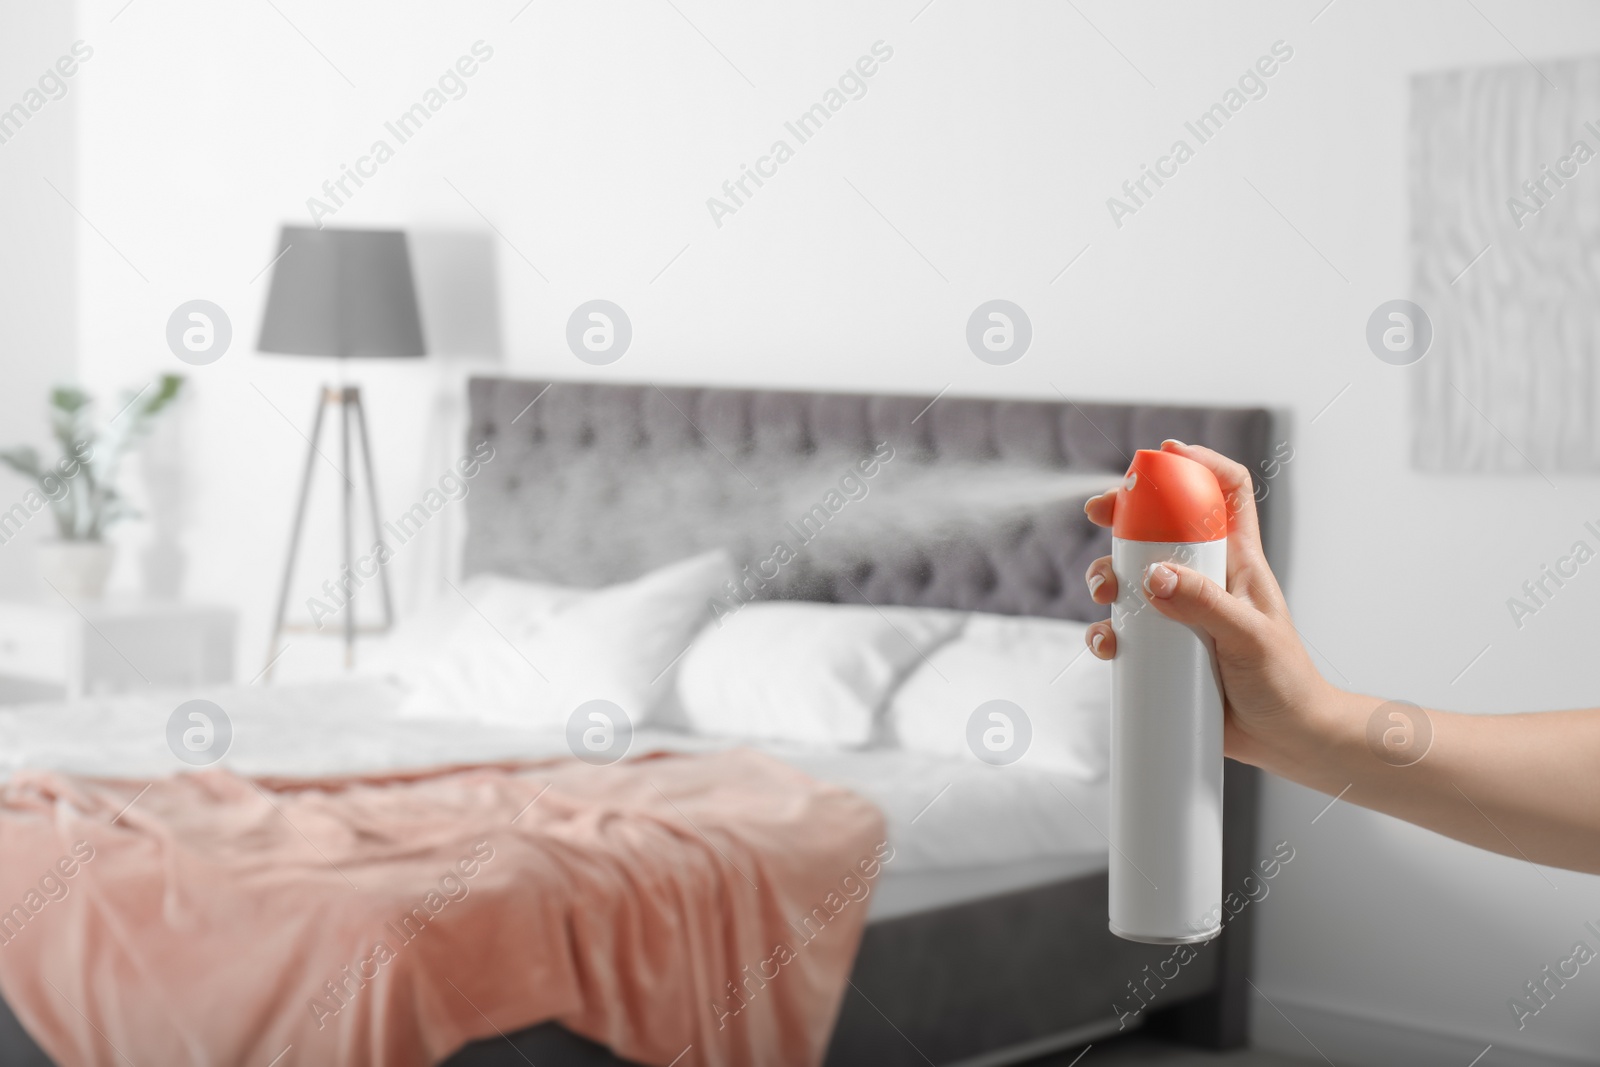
1116	1052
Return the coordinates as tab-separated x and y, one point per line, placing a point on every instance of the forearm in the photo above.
1526	785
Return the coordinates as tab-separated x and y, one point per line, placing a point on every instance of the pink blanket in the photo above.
678	909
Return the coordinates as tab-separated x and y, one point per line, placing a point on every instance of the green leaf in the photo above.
170	385
69	399
24	459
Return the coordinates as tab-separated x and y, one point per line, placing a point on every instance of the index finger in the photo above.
1101	508
1238	493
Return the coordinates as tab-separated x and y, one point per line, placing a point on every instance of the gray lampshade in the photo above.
342	293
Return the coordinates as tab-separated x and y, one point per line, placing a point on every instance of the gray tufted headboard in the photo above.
979	506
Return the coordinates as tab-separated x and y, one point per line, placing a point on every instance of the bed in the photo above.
989	944
979	980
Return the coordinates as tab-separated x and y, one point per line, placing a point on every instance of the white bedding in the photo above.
960	829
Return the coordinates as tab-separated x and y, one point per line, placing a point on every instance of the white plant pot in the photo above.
77	569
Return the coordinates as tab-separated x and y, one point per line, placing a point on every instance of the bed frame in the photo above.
595	483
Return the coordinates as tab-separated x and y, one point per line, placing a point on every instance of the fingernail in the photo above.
1173	441
1095	582
1160	580
1096	641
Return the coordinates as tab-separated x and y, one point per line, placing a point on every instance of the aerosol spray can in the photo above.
1166	711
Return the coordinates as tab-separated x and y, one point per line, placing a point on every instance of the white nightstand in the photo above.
50	651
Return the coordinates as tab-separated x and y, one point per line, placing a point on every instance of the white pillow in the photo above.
509	604
1024	661
529	655
803	672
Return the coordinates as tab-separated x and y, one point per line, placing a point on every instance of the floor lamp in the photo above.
348	294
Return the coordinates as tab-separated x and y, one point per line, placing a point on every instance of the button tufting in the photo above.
987	581
1050	585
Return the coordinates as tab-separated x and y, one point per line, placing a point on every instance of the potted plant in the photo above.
81	487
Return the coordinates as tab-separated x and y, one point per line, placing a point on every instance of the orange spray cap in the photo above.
1168	497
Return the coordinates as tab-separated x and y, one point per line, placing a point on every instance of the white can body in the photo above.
1166	756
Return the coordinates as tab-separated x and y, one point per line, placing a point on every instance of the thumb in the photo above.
1191	598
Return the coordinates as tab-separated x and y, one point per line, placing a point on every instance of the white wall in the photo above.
990	141
38	322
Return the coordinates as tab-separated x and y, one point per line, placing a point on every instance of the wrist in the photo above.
1325	725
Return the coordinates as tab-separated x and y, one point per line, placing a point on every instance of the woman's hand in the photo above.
1272	692
1520	785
